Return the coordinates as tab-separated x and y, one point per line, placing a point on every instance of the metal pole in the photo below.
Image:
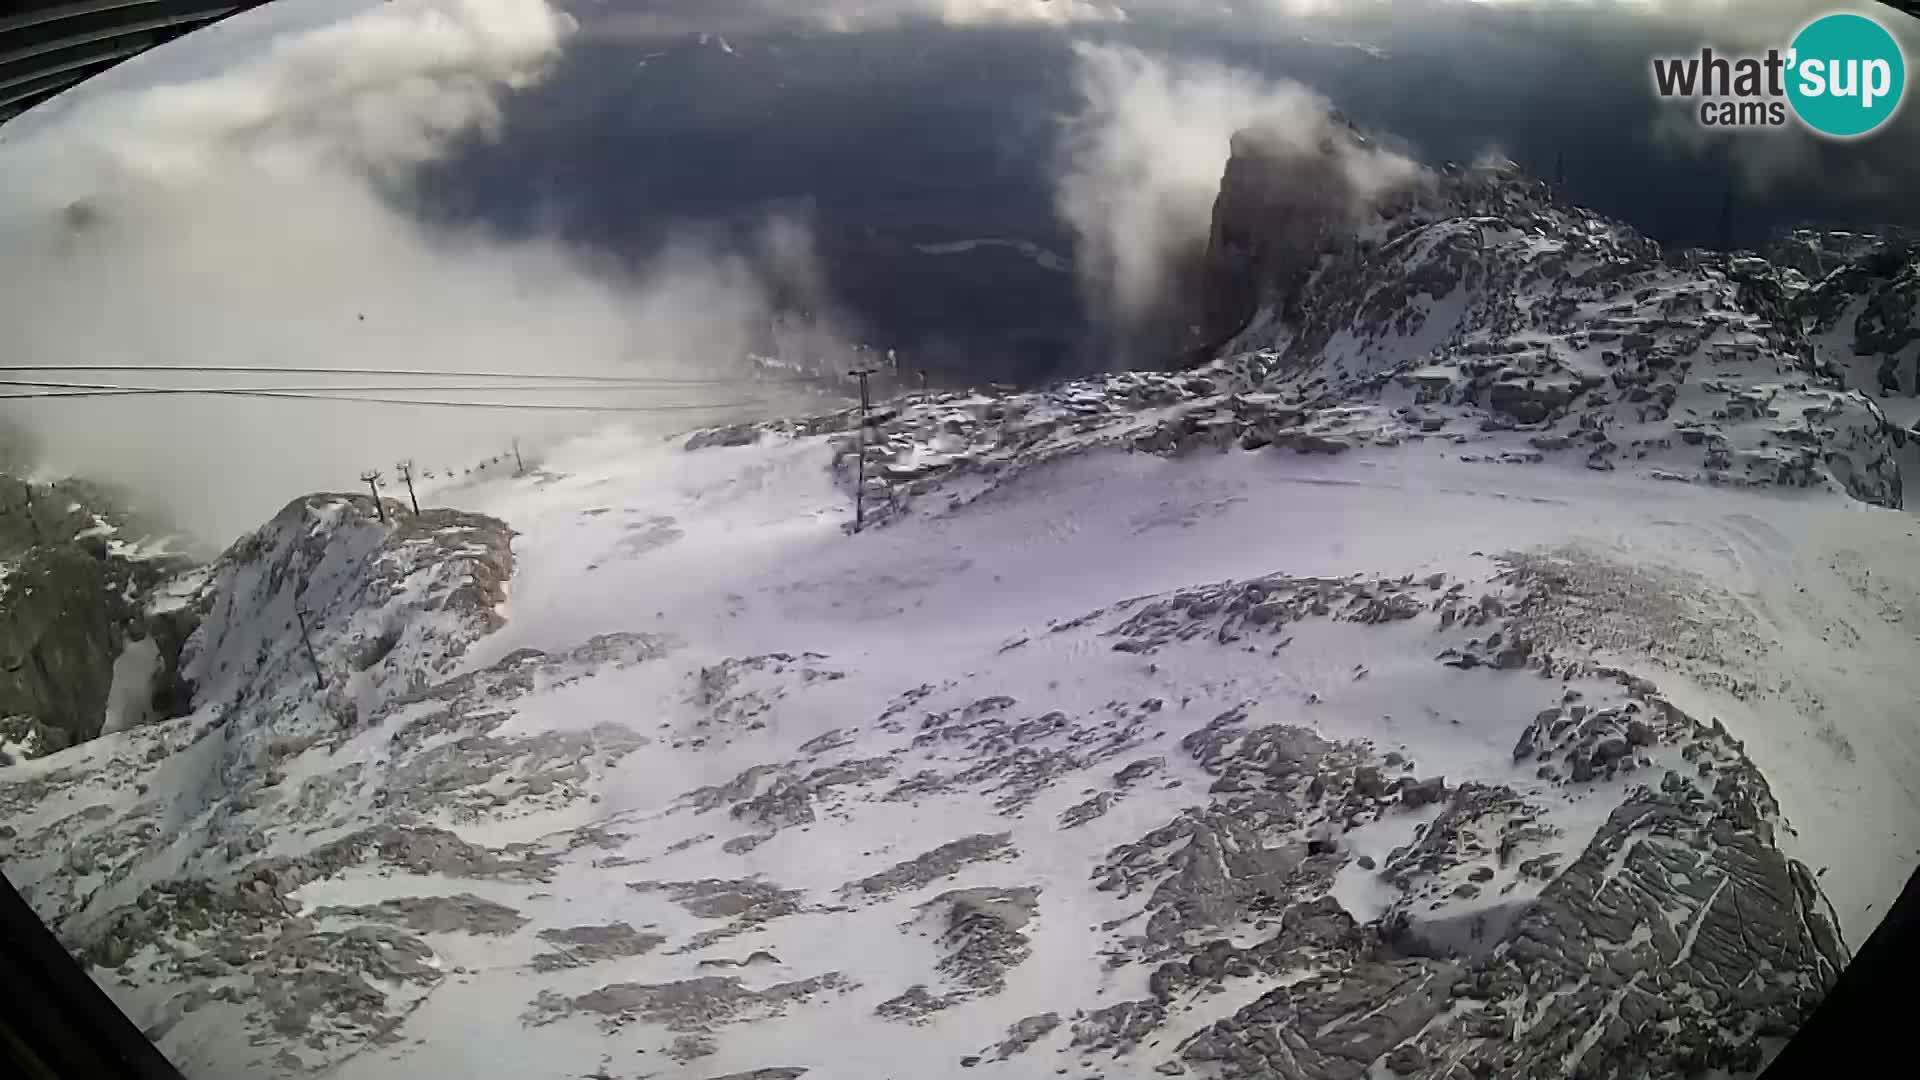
860	485
373	484
300	614
519	467
406	473
32	522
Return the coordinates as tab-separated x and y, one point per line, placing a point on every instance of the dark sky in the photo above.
933	125
918	132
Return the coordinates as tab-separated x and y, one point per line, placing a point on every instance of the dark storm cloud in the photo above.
1542	79
1547	82
899	123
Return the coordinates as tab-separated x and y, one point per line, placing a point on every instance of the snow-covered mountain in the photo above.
1498	662
1860	320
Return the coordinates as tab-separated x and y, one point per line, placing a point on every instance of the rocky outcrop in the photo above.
1812	254
1281	206
1496	959
394	604
1470	308
1635	961
61	626
74	597
1861	318
1479	289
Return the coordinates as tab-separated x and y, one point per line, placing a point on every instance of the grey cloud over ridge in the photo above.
240	217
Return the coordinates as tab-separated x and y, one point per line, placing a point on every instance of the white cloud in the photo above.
238	218
382	90
857	13
741	16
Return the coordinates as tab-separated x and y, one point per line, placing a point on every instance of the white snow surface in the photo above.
1157	698
764	565
741	552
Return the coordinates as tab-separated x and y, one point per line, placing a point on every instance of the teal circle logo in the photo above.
1846	75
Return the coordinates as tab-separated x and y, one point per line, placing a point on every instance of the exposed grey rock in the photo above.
757	956
1423	792
685	1048
463	913
1330	1027
1120	1026
1654	930
982	935
1609	750
576	946
744	903
933	865
1407	1059
1141	771
689	1005
1015	759
332	972
1025	1032
463	776
913	1005
69	605
735	435
774	797
1280	207
1082	812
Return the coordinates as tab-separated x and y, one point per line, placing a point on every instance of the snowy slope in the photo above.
1380	700
772	796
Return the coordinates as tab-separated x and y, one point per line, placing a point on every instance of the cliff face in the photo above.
1475	291
58	639
1861	320
1278	211
73	598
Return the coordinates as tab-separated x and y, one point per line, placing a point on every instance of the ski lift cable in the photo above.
530	376
370	399
93	388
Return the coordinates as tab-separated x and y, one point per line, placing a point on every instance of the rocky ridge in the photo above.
92	617
1861	325
1475	314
